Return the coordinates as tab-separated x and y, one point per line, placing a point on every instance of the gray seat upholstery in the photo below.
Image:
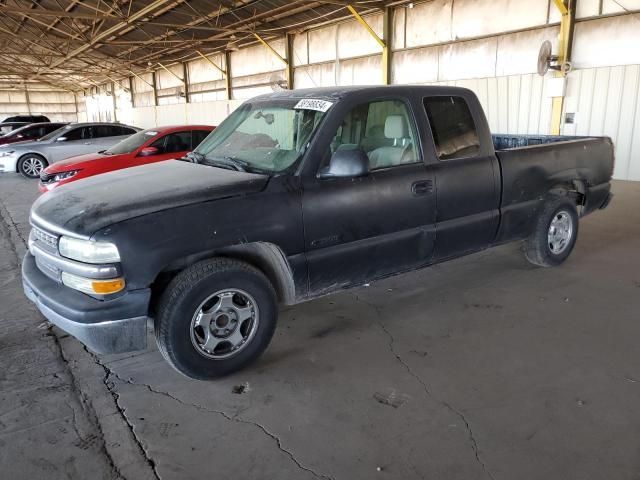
395	127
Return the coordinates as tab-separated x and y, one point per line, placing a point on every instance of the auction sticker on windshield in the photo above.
313	104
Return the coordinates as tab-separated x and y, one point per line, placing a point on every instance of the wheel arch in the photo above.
265	256
22	156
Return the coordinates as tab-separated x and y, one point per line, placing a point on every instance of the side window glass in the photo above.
197	137
105	131
454	131
75	134
177	142
384	130
122	131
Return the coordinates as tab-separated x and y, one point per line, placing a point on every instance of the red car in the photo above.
148	146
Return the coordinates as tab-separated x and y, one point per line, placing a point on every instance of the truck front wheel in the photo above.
554	234
215	318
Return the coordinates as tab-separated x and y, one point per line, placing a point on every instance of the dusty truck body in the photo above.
298	194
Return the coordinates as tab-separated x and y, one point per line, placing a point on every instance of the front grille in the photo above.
46	177
45	239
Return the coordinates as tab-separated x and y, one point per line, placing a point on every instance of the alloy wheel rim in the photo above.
33	166
560	232
224	324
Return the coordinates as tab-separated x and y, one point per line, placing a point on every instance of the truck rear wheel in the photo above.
215	318
554	234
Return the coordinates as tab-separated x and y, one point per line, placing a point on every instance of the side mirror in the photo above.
345	164
148	151
61	139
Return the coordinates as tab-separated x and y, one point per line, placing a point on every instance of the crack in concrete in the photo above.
425	387
232	418
85	403
122	410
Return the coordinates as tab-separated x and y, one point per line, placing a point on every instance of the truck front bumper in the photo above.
104	326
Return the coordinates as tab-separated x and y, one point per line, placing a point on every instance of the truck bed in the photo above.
532	165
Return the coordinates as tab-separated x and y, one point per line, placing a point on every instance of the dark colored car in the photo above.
7	127
32	131
27	119
295	195
148	146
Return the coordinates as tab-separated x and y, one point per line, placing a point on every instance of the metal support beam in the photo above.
221	70
115	102
288	49
384	43
185	75
386	50
140	78
155	89
271	49
227	76
565	44
131	92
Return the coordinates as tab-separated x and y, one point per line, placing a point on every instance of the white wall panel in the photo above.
257	59
415	66
518	53
429	23
354	40
607	41
471	59
475	18
322	44
322	75
300	49
360	71
201	70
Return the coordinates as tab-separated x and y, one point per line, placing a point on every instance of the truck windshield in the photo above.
265	137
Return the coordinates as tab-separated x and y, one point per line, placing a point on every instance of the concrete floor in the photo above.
484	367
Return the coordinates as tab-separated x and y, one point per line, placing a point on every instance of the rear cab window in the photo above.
453	128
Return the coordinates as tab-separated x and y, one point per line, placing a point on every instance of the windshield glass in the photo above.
49	136
131	143
267	136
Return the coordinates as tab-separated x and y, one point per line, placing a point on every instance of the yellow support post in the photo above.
384	43
223	72
564	55
270	48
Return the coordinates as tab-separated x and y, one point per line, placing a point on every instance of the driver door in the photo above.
358	229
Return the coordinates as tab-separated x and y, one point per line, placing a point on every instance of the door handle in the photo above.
422	187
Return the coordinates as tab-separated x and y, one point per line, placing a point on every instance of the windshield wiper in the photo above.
227	162
193	157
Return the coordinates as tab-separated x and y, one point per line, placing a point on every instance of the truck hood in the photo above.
88	205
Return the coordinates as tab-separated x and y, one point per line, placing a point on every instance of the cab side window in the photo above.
384	130
454	131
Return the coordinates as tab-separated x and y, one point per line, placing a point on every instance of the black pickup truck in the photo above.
295	195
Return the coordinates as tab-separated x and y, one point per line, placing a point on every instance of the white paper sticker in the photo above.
313	104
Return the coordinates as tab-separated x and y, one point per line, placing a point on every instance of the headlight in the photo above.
88	251
92	286
64	175
7	153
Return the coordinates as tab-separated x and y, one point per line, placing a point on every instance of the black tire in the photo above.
31	164
183	299
538	248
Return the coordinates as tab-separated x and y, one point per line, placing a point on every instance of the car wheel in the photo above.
31	165
555	233
215	318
